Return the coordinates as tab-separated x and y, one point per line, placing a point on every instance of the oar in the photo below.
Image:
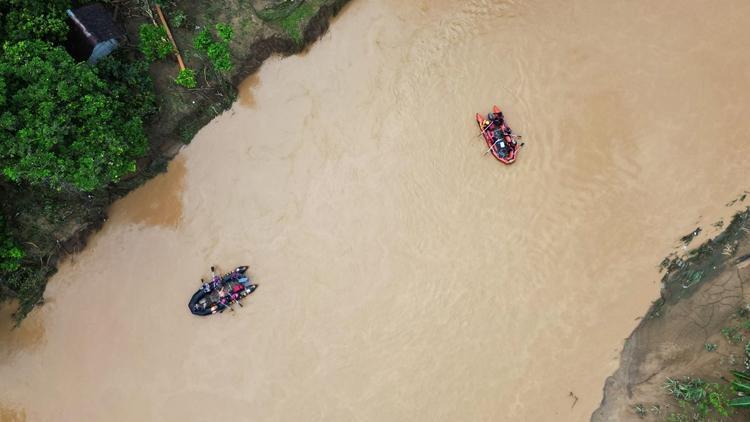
229	305
481	133
495	143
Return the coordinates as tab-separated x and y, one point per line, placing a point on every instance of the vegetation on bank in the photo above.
728	396
74	136
718	389
291	15
682	274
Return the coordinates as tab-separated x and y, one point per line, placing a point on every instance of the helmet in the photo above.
486	123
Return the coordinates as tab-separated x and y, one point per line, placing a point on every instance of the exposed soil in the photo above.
701	295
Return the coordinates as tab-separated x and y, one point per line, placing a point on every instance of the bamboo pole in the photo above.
171	38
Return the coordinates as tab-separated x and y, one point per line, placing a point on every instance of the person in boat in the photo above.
227	297
496	118
499	144
245	282
486	125
502	148
222	293
215	283
206	287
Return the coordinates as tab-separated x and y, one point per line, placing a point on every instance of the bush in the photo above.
186	78
216	50
224	31
203	40
153	42
219	55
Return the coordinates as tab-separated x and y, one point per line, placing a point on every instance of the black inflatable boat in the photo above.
221	292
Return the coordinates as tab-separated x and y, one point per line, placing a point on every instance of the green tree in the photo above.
60	123
33	19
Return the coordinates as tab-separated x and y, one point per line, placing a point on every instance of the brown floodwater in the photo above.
403	274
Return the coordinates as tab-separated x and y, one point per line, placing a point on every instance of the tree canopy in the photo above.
33	19
60	123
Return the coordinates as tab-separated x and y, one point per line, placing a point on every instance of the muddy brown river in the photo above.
403	274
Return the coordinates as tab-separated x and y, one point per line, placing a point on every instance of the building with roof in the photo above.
93	33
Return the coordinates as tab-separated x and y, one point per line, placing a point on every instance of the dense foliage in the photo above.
60	123
33	19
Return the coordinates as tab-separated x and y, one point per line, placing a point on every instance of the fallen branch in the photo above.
171	38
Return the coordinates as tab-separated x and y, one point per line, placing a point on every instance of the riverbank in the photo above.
698	329
49	224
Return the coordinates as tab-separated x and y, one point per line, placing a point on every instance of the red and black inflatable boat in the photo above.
499	136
